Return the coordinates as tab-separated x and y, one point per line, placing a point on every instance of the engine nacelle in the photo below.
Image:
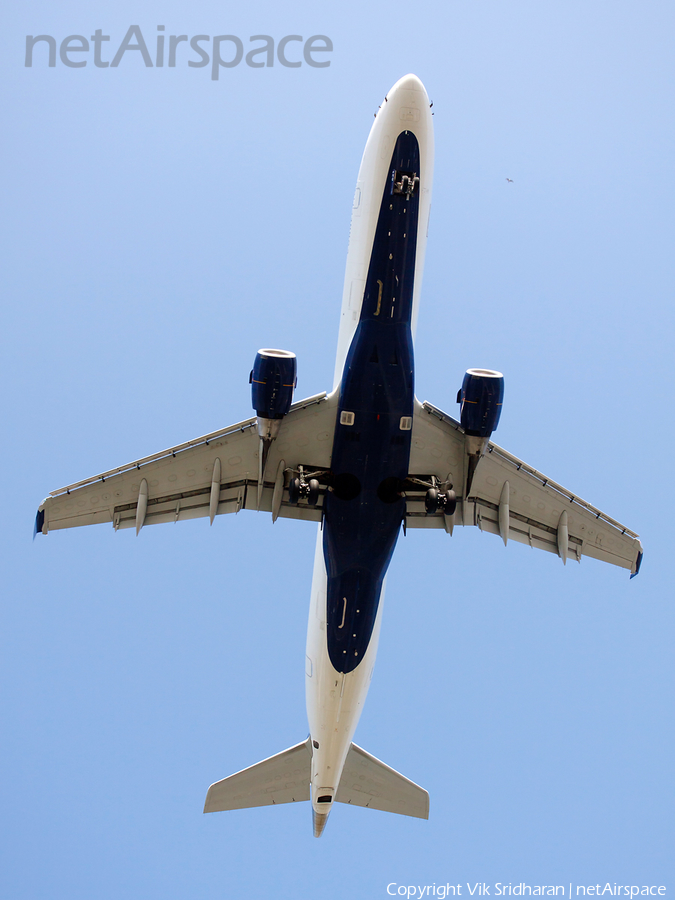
481	396
273	380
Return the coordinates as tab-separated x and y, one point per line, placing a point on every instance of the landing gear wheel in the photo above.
294	490
313	493
431	501
450	503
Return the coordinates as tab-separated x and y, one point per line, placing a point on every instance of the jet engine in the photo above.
481	396
273	380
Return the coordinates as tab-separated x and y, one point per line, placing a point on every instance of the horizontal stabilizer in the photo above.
368	782
283	778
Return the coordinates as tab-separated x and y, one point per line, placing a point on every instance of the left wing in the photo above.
503	495
209	476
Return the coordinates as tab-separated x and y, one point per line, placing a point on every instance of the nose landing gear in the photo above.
404	183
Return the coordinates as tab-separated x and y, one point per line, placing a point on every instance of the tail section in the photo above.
285	778
318	822
368	782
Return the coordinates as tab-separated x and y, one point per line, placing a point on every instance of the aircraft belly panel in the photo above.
371	446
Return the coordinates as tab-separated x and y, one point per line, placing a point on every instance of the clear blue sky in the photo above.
159	227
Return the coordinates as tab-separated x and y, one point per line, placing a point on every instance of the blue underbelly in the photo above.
371	447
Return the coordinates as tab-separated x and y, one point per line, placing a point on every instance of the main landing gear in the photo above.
302	488
437	500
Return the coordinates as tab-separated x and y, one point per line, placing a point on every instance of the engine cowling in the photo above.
481	396
273	381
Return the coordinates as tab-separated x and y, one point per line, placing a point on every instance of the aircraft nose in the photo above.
407	106
409	83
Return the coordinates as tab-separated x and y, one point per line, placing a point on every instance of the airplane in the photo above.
364	461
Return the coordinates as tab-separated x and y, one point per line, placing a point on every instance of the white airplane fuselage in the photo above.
374	373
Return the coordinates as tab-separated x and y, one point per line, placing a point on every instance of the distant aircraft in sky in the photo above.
364	461
510	180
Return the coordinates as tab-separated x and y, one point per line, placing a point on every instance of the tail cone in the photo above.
319	820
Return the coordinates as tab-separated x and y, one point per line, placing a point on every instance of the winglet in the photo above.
39	522
638	563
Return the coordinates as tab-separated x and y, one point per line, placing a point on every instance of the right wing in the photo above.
503	495
211	475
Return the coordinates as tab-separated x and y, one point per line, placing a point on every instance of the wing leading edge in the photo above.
503	495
